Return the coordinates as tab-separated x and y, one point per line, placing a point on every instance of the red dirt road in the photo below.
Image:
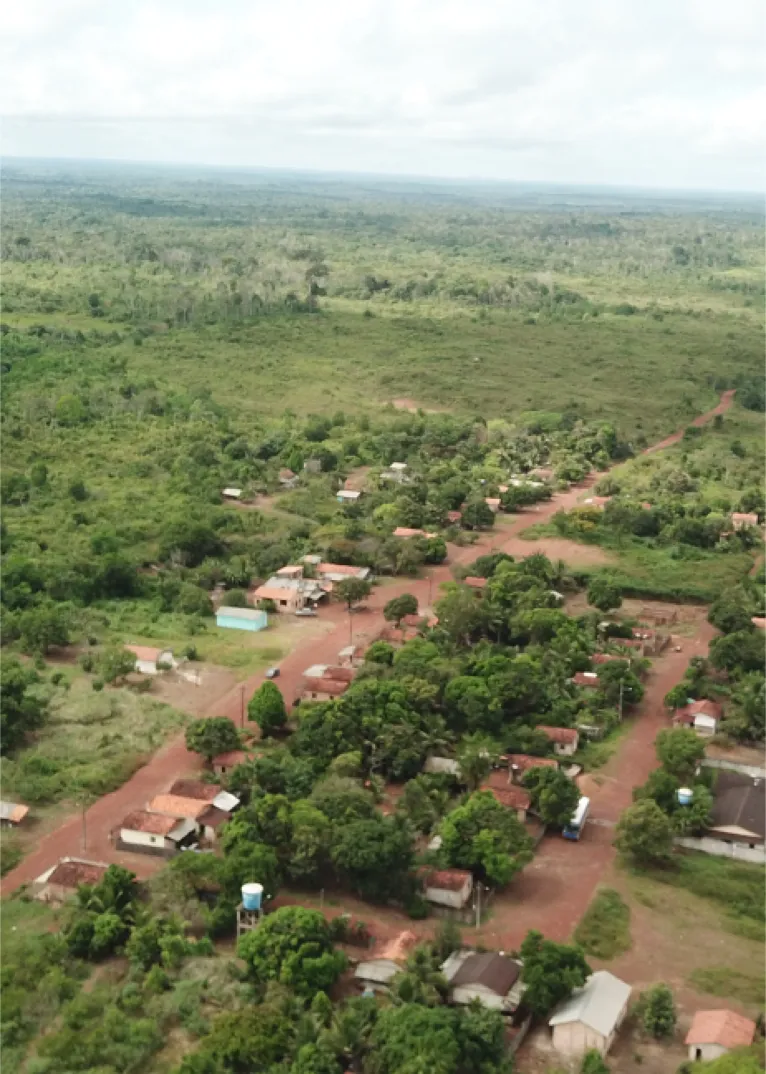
555	904
727	398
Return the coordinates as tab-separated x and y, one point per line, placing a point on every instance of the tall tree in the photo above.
267	708
551	972
211	736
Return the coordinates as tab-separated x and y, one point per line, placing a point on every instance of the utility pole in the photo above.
478	905
84	826
622	690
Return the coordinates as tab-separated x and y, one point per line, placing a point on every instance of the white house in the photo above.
713	1033
565	739
451	888
232	494
151	661
492	978
346	496
155	833
591	1016
703	716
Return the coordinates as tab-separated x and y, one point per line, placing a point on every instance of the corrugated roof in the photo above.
141	820
226	801
739	801
598	1004
242	613
496	972
722	1027
13	812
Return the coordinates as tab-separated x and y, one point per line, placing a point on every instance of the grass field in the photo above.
605	930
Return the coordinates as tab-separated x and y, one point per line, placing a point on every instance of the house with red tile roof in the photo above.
323	688
741	519
702	716
713	1033
224	762
448	888
520	763
585	678
565	739
62	880
474	582
509	795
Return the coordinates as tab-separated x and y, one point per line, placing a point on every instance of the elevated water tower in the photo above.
250	909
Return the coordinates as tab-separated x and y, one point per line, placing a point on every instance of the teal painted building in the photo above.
241	618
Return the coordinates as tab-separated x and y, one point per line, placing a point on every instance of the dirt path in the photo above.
554	891
727	398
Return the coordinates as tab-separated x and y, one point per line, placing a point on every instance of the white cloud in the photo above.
598	90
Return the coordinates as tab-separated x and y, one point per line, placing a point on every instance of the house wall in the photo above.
485	996
234	623
454	899
707	1051
705	726
141	841
146	667
575	1038
721	849
564	749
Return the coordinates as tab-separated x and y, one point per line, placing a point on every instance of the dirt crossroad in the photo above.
536	893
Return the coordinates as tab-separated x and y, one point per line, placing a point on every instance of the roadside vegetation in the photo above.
604	932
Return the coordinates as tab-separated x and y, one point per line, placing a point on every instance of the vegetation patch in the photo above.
604	931
731	984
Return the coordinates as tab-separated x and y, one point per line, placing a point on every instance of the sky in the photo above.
652	93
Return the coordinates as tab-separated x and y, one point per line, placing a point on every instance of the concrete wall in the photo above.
133	840
707	1051
720	849
564	749
453	899
734	766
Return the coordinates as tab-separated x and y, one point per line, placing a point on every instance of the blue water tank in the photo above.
684	795
252	895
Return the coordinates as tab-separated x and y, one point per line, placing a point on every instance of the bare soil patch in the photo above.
577	555
413	406
194	687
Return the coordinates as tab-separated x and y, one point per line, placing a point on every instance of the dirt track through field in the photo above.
552	893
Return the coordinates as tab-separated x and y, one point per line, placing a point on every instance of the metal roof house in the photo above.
376	973
241	618
492	978
12	814
591	1016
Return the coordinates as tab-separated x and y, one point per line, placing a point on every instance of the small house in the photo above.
337	572
454	517
194	788
490	977
605	658
376	973
232	494
702	716
290	570
323	688
347	496
448	888
564	739
225	762
740	520
591	1016
474	582
251	619
155	833
287	479
396	472
12	814
286	594
493	503
61	881
713	1033
151	661
348	656
737	826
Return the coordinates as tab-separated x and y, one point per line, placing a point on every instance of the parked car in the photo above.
306	612
272	673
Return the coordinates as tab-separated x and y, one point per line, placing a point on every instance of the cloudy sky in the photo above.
663	93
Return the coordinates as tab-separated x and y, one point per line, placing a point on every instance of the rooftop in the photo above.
13	812
325	686
176	806
231	757
745	517
474	582
141	820
194	788
446	879
496	972
70	873
213	817
397	949
144	652
510	796
598	1004
703	707
585	678
563	735
524	761
239	613
722	1027
739	801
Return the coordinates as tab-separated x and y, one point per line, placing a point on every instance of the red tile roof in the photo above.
604	658
195	788
338	674
474	582
703	707
141	820
510	796
524	761
446	879
406	531
143	652
745	518
585	678
174	806
454	516
70	874
563	735
325	686
725	1028
337	568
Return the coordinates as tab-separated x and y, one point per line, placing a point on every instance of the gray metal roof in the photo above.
598	1004
379	970
226	801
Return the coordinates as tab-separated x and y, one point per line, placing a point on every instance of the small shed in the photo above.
194	788
589	679
287	478
702	716
232	494
151	661
12	814
591	1016
442	766
348	656
565	739
742	519
713	1033
493	503
241	618
347	496
323	689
